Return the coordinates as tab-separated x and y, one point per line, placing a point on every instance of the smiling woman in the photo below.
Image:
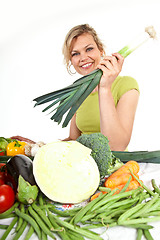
111	107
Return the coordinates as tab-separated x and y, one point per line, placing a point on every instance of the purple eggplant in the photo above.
21	165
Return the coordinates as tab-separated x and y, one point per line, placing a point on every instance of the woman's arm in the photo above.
115	122
74	132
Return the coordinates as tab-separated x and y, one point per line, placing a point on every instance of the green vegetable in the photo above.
41	222
138	156
55	166
27	193
29	233
75	228
10	227
3	143
71	97
99	144
31	221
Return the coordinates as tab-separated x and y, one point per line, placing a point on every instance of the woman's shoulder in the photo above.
125	82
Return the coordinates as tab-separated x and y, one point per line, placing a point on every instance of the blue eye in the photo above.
75	54
89	49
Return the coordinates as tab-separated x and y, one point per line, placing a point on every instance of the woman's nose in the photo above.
83	56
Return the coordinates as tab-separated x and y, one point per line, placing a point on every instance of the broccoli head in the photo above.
101	152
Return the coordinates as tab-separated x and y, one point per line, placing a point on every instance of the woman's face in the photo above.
85	55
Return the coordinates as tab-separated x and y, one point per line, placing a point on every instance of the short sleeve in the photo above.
122	85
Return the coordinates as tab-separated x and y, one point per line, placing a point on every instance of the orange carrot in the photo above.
95	196
132	185
130	165
114	181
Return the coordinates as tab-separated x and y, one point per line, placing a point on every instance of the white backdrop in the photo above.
31	62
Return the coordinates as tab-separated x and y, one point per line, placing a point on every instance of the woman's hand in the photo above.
111	67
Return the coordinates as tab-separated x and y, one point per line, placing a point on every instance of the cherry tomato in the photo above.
7	197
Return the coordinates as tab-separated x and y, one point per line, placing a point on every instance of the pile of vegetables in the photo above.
135	208
70	98
69	172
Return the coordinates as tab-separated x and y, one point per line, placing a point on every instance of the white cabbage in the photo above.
65	172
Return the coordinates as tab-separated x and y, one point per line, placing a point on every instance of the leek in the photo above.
71	97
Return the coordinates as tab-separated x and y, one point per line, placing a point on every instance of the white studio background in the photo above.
31	62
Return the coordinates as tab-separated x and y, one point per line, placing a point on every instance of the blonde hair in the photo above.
74	33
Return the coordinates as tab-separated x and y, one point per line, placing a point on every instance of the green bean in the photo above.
156	188
75	228
129	213
10	215
40	222
20	220
20	231
126	185
10	227
74	235
43	216
104	207
84	210
138	192
124	203
102	220
60	231
88	216
40	199
44	235
29	233
112	198
2	226
30	220
147	234
92	226
143	196
152	213
39	211
146	207
9	211
140	220
140	226
154	207
104	189
66	213
139	234
142	184
114	213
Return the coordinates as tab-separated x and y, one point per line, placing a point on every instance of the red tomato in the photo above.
2	173
7	197
2	176
1	182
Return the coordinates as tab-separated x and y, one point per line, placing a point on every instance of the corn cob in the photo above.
70	98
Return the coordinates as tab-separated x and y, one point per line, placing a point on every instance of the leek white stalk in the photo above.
70	98
138	41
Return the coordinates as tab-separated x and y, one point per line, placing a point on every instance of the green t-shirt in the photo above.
88	117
